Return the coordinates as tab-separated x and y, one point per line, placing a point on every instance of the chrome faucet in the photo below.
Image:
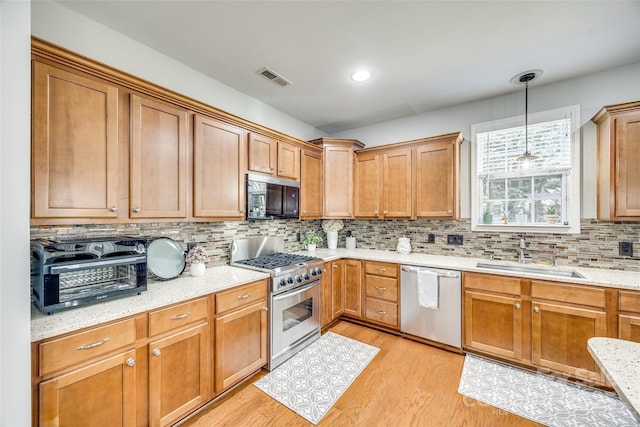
523	246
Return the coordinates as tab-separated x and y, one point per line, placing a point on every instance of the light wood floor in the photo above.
406	384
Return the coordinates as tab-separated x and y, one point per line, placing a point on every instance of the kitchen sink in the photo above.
533	270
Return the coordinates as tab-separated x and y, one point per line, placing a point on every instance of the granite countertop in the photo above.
592	276
158	294
620	362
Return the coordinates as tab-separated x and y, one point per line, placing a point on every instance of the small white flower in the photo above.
196	255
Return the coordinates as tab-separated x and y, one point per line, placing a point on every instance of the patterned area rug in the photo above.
312	381
545	400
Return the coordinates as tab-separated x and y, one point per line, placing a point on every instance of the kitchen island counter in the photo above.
158	294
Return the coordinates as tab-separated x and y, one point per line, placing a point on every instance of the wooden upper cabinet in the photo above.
338	158
311	184
618	159
262	153
219	167
396	180
288	161
75	145
158	166
367	186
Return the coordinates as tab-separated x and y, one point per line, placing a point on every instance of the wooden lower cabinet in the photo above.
99	394
382	293
326	296
493	324
179	377
337	289
353	288
240	344
629	315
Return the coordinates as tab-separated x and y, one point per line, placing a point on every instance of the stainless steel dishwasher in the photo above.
442	324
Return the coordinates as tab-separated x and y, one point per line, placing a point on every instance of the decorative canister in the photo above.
351	242
197	269
404	245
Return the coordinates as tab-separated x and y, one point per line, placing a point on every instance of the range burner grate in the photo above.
274	261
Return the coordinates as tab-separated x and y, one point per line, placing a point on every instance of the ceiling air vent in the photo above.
271	75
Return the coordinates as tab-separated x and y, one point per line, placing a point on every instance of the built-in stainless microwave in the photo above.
271	198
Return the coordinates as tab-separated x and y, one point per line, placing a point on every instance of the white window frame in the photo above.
573	196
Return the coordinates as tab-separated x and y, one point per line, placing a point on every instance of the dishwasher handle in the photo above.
448	274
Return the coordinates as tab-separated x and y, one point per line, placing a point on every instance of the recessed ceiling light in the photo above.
361	75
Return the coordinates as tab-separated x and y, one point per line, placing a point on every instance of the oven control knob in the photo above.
290	279
313	272
306	276
318	271
298	278
282	283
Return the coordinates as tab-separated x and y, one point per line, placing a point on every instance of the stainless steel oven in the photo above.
294	293
295	321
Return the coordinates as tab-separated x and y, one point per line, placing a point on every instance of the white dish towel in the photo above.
428	287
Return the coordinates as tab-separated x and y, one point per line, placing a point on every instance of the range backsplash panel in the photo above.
596	246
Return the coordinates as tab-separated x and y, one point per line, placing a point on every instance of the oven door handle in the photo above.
297	291
97	264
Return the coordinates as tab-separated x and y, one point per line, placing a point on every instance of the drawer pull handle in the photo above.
381	312
181	316
245	296
381	289
130	361
95	344
380	269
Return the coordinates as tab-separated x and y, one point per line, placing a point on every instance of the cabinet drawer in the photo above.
381	269
382	287
492	283
382	311
78	348
177	316
237	297
574	294
629	301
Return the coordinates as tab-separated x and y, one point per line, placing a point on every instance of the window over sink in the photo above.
540	195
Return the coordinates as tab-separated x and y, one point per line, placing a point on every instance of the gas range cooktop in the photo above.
277	261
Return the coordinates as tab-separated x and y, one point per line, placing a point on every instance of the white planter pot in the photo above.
332	239
197	269
311	247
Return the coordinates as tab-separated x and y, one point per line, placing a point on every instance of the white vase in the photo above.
197	269
311	247
332	239
404	246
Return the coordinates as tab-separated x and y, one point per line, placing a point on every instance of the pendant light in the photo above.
525	78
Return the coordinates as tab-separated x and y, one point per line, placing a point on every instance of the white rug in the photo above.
312	381
545	400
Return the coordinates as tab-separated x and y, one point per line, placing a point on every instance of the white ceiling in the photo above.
424	55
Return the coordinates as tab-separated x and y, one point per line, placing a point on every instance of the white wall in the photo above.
15	335
591	92
61	26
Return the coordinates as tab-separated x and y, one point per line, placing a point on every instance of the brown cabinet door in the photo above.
219	168
262	153
179	375
627	160
311	189
288	161
493	324
435	180
100	394
326	295
397	184
367	186
158	160
629	327
240	344
559	338
353	288
75	145
337	289
338	181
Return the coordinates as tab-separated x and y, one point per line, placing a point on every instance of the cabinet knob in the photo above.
384	213
536	309
156	352
241	211
350	212
272	169
265	308
517	306
449	212
136	210
280	170
335	265
113	209
130	362
375	213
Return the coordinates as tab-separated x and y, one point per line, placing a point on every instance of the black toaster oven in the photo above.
67	273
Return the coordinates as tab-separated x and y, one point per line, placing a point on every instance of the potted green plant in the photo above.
311	240
552	215
487	217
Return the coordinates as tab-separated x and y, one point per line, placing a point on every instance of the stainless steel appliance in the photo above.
75	272
442	322
271	198
294	293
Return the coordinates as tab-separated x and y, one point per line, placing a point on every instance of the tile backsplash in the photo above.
596	245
